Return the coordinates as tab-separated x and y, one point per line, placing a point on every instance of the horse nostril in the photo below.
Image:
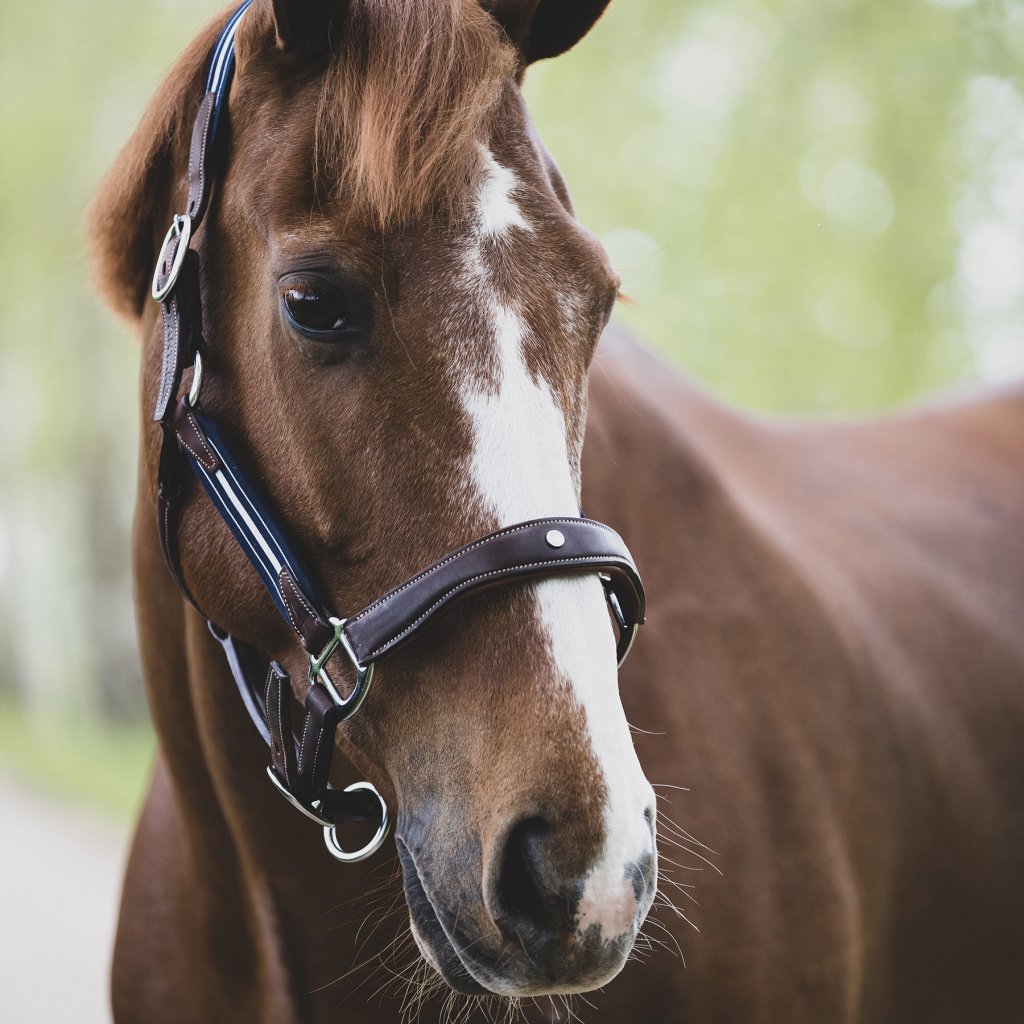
526	899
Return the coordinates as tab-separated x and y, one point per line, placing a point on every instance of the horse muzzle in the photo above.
529	928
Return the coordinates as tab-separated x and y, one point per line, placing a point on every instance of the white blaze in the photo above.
521	470
496	209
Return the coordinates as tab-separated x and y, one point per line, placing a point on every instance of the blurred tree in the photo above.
780	183
816	205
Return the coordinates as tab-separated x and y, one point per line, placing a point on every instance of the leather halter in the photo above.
539	548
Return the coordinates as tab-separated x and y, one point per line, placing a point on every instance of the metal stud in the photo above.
555	538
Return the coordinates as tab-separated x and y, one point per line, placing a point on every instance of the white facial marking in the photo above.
573	610
520	462
521	469
496	209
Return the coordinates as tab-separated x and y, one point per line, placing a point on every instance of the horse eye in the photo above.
315	309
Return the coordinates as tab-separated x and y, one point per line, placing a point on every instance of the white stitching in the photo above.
298	593
291	618
472	547
166	538
316	753
170	353
202	158
206	448
271	675
302	746
195	454
380	649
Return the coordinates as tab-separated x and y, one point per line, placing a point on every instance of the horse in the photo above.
407	342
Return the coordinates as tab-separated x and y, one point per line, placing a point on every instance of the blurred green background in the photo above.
816	206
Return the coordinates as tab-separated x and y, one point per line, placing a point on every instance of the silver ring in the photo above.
197	381
331	831
181	227
633	630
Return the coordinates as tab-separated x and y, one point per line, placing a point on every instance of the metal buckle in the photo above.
331	831
624	627
318	670
313	814
181	228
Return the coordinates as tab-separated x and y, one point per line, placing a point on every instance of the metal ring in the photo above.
625	627
318	671
633	629
331	832
197	381
181	228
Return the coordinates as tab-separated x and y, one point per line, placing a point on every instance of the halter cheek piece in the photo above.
540	548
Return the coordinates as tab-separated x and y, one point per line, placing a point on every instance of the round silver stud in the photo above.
555	538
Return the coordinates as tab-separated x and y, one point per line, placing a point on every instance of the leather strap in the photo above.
543	547
278	707
302	768
198	159
251	520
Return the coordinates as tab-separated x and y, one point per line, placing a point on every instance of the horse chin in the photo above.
435	946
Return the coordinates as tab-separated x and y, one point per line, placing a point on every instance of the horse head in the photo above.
401	310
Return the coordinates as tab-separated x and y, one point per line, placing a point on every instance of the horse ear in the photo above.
130	212
545	28
302	22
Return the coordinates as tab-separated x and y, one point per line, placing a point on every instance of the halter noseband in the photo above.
539	548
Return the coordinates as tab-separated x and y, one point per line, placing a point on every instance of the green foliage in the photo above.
77	758
815	204
779	182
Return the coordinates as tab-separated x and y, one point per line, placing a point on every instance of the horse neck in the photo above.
254	873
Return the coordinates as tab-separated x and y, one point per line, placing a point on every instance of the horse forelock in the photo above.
404	103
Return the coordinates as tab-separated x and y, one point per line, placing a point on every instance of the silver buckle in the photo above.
313	815
318	670
181	228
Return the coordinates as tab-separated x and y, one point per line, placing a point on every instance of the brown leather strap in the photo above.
278	707
181	313
192	437
198	160
316	748
543	547
266	693
314	632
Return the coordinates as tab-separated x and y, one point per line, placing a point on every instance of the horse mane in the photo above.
409	91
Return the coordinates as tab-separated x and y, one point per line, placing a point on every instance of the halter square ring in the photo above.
318	670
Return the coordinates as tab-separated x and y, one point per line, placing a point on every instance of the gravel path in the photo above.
60	878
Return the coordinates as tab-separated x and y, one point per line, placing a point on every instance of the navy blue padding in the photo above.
222	66
264	528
